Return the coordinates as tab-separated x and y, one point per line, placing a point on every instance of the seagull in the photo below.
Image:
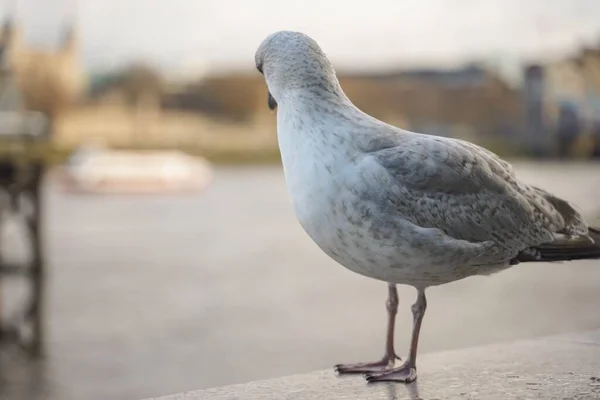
399	206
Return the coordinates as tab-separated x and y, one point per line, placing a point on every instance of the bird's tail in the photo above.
567	248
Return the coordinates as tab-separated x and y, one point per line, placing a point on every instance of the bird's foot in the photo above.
385	364
406	373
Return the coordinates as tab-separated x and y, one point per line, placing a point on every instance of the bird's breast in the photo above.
320	185
315	174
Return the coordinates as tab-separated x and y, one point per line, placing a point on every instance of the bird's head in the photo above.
292	61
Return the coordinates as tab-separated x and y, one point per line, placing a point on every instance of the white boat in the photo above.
105	171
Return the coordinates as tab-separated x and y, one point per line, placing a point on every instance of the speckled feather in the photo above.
395	205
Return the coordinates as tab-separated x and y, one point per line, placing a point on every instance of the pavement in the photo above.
559	367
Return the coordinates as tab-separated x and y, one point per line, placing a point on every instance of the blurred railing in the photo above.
21	172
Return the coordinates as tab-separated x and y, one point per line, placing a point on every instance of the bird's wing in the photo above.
467	192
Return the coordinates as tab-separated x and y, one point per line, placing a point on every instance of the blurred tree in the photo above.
235	96
142	88
139	87
140	82
134	82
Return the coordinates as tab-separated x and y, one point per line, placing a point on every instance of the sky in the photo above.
191	35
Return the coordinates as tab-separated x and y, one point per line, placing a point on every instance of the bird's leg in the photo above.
387	362
407	372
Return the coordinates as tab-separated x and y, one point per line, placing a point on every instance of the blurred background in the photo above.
147	243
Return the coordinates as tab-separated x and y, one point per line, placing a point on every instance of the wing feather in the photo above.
467	192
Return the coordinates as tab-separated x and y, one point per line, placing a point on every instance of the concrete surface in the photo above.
562	367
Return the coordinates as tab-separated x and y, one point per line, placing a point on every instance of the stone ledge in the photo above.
558	367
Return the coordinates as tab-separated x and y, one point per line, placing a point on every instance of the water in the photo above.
151	296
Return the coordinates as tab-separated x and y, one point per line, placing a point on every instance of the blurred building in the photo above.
572	91
535	136
469	101
136	107
50	81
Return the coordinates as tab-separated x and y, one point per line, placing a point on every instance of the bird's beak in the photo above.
271	102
